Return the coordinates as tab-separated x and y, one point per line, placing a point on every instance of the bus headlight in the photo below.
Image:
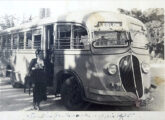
145	67
112	69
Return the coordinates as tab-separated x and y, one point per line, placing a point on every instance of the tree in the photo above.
26	19
7	21
122	11
153	18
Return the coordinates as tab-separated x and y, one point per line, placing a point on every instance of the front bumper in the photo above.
145	102
116	98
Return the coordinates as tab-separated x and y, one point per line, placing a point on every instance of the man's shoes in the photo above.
34	107
38	108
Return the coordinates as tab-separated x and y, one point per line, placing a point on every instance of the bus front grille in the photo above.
131	75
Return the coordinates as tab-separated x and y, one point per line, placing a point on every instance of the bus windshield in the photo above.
110	39
139	39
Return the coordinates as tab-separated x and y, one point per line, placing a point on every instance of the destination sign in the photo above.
109	24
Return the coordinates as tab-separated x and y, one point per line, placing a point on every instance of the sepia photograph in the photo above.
82	60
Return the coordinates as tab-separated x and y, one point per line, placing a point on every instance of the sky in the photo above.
24	8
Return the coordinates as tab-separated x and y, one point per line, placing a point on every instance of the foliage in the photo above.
26	20
153	18
7	21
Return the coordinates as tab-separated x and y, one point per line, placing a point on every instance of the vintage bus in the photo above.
99	57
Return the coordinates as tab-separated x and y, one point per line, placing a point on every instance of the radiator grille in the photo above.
131	75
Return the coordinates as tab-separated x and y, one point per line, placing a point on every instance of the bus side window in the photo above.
21	40
29	40
8	41
37	42
80	37
37	39
0	43
15	39
63	37
71	37
4	42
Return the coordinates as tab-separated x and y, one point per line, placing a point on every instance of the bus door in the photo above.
49	34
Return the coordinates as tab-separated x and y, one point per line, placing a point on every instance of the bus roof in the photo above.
88	19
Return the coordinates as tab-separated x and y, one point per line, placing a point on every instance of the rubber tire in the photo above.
71	95
13	79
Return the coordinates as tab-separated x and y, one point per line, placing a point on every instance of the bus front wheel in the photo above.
71	95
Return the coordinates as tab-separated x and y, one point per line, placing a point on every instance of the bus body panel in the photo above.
97	83
77	61
23	59
19	62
